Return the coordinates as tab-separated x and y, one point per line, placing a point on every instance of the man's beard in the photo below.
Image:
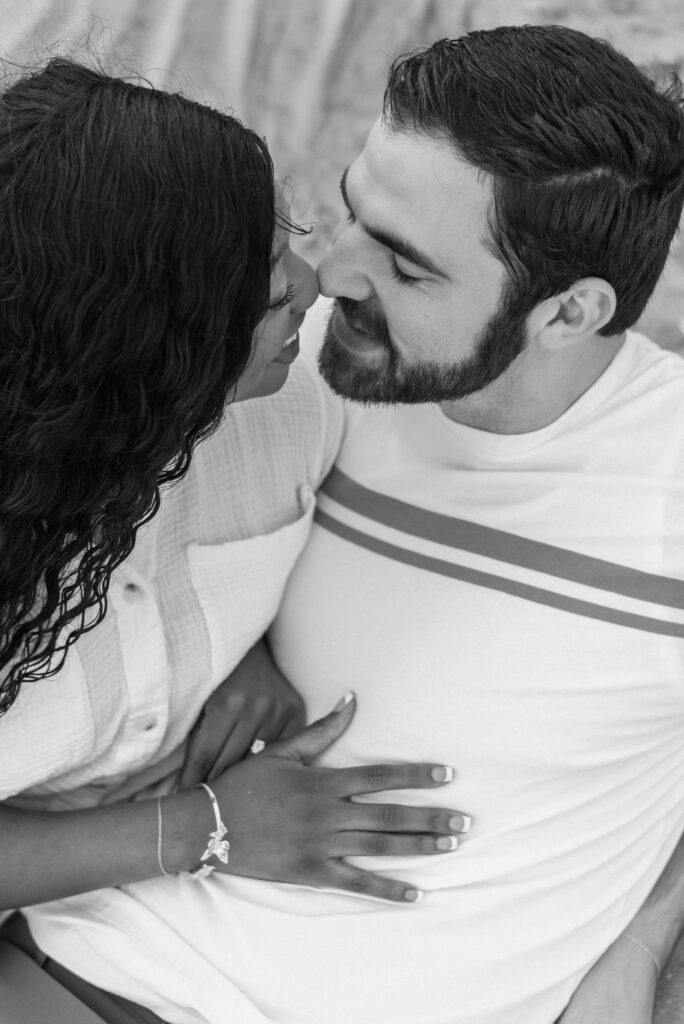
501	340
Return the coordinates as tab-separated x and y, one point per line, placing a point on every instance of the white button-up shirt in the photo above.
202	584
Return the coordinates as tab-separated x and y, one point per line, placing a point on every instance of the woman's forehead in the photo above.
281	235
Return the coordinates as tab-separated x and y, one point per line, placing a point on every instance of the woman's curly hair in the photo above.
135	243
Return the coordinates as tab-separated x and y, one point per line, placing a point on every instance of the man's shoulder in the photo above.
654	386
651	357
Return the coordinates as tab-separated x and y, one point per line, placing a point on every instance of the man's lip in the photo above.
358	342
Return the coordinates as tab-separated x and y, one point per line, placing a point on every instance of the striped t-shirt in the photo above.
514	606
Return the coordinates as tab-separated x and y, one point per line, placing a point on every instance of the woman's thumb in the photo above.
317	737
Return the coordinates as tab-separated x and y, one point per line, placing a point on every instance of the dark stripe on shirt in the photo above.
504	547
500	583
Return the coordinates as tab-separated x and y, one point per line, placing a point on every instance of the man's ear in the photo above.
575	314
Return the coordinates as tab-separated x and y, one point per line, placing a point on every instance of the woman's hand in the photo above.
290	821
255	702
619	988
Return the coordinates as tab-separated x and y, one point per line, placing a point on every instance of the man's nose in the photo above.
340	272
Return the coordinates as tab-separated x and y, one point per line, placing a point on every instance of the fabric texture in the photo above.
201	586
510	605
513	606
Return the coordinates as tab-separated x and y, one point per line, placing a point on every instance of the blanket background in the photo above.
309	74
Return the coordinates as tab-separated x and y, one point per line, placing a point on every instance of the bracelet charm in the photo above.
217	846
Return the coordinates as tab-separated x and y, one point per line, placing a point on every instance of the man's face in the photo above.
421	312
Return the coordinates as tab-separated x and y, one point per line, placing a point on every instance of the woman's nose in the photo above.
307	286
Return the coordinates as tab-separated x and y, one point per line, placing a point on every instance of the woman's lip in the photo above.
358	342
289	353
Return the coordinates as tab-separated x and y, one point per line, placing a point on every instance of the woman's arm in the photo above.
45	855
287	820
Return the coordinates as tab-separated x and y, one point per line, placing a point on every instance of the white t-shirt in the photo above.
513	606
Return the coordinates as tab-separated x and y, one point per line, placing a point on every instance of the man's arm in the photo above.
621	986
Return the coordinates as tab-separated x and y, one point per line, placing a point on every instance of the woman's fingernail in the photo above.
413	895
443	774
447	843
257	747
460	823
347	699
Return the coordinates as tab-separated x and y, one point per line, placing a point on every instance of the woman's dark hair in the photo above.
585	154
136	230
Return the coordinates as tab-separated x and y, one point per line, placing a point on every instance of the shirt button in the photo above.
132	592
305	495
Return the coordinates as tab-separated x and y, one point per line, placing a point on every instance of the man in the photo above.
507	540
496	566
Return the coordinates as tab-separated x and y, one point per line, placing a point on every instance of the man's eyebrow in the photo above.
401	246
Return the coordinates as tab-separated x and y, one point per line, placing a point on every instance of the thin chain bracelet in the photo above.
647	951
217	846
163	870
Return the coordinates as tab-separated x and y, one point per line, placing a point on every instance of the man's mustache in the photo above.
365	316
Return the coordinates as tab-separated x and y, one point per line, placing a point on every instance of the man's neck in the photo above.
536	389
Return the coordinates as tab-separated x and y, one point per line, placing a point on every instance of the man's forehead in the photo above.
407	161
417	184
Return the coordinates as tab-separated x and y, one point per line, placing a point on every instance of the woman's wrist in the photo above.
186	821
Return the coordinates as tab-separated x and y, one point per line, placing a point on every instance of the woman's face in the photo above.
275	342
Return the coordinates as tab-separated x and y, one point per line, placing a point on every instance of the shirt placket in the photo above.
146	668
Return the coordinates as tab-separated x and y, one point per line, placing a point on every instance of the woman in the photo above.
146	281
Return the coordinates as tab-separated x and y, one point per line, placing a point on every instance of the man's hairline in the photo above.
442	136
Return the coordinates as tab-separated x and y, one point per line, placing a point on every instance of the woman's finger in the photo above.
308	743
401	818
209	737
375	778
292	724
341	875
199	754
388	844
237	745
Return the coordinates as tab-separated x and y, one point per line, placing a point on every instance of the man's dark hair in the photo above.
136	231
585	154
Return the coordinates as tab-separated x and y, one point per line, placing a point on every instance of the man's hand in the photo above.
255	702
619	989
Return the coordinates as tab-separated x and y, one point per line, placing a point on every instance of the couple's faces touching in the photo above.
424	311
414	280
275	343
